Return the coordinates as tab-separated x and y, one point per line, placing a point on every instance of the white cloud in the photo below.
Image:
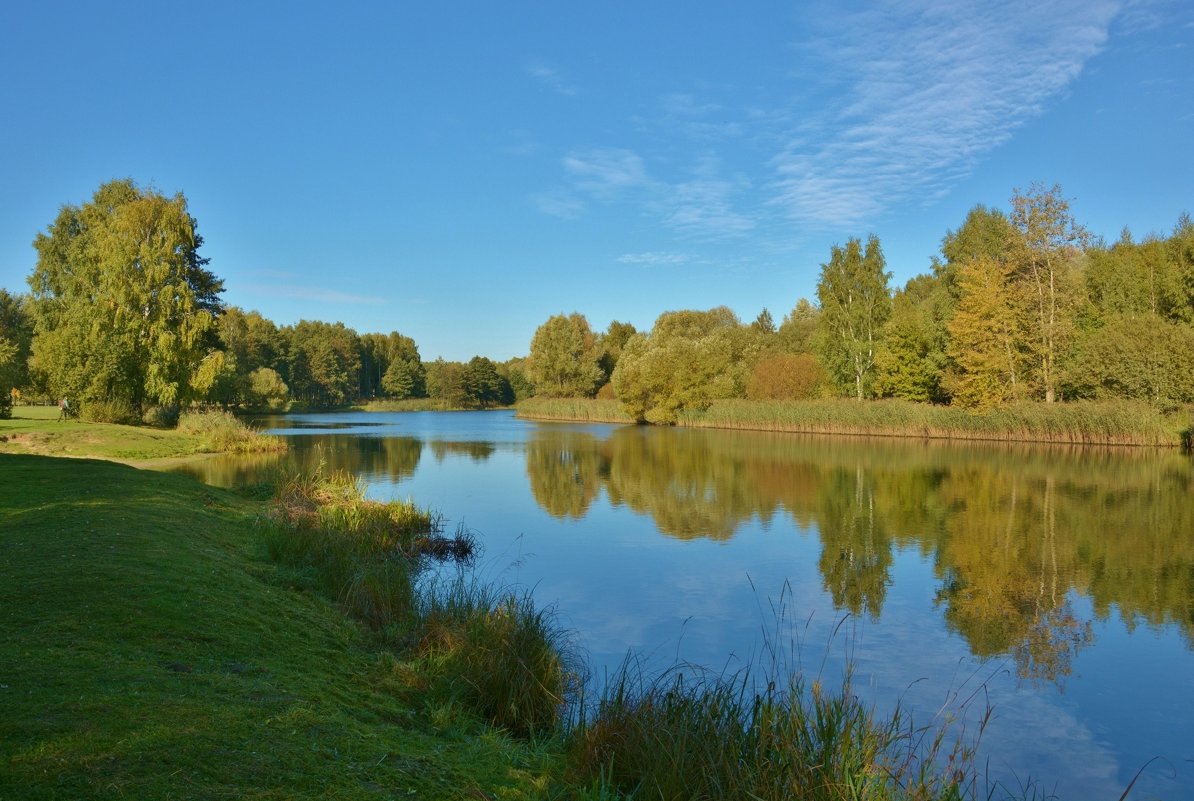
653	259
606	172
550	78
705	205
932	87
558	203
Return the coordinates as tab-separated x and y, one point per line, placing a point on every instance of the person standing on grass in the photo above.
63	409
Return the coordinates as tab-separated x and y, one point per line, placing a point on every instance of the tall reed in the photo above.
499	654
586	410
489	649
1087	423
222	432
687	734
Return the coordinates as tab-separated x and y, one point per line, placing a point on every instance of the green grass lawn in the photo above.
147	650
37	430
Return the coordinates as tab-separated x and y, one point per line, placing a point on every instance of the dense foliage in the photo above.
1020	307
123	306
125	320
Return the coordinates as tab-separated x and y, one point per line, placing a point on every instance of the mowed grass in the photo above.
148	650
37	430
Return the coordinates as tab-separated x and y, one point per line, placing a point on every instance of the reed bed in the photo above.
1087	423
685	734
409	405
487	649
222	432
495	652
585	410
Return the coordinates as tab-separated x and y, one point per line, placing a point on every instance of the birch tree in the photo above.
855	303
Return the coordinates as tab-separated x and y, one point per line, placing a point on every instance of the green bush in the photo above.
113	410
161	416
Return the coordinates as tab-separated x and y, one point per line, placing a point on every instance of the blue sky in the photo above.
460	171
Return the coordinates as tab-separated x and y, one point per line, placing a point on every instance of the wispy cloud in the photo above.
550	78
314	293
606	172
558	203
931	88
703	206
654	258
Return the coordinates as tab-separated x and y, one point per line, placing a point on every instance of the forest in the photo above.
124	318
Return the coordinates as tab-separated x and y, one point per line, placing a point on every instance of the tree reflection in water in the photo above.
1012	531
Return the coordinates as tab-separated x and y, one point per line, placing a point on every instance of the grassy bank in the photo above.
1120	423
37	430
149	651
160	638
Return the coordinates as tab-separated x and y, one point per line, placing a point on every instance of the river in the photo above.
1054	586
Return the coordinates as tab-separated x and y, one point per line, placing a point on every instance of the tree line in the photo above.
124	319
1019	306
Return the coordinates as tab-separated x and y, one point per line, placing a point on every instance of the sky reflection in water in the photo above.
1055	584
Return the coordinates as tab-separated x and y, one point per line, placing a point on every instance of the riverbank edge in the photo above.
140	611
1086	423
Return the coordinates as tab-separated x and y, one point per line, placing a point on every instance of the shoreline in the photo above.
1102	424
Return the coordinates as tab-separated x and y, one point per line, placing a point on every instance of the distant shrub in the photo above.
114	410
786	376
161	416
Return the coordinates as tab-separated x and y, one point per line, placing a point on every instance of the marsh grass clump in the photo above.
222	432
1085	422
359	551
490	651
498	654
687	734
588	410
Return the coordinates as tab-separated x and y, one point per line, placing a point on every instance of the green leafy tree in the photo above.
390	365
855	303
1137	278
689	359
1045	254
1180	247
16	336
611	344
985	233
324	363
911	361
984	336
515	373
764	323
1138	356
124	308
445	383
8	353
565	358
267	389
483	384
797	333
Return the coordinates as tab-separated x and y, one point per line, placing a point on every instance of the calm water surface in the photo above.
1055	585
